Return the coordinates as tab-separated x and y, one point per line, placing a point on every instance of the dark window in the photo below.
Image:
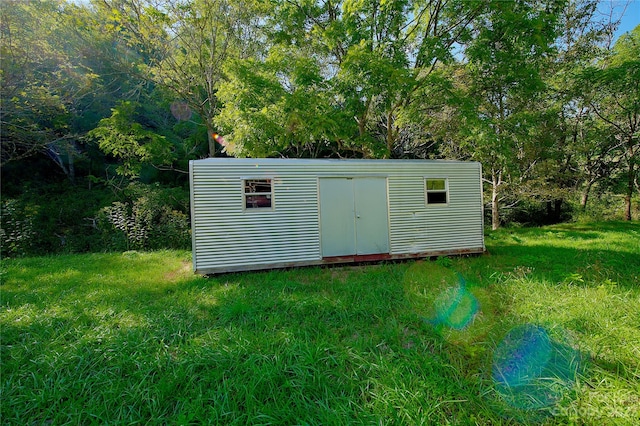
257	193
436	191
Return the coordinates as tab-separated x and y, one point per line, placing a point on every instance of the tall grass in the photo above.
136	338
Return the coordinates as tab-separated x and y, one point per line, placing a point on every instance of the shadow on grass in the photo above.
580	265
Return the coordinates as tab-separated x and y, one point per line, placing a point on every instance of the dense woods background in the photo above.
104	102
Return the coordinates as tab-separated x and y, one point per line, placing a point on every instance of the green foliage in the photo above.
124	138
65	67
604	206
531	89
17	227
135	337
43	80
614	96
277	115
60	218
185	46
497	93
444	261
53	218
337	76
151	217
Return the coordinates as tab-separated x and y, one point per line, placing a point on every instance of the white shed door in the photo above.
353	216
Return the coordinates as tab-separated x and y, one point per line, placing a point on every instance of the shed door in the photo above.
353	216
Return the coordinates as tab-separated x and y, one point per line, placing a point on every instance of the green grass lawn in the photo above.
544	329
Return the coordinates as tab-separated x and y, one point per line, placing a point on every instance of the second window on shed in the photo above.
437	191
258	193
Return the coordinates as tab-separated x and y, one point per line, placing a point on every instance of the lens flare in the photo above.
456	307
219	139
180	110
532	370
522	356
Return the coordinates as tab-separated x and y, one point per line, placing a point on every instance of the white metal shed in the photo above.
249	214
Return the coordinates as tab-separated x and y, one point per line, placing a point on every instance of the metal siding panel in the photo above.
224	234
416	227
193	216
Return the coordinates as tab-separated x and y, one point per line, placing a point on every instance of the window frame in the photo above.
428	191
269	195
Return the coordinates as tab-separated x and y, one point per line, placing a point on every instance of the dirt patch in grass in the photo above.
184	271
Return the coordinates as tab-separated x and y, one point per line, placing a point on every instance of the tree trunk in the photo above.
495	201
212	141
495	210
585	195
72	169
389	138
629	195
630	178
557	212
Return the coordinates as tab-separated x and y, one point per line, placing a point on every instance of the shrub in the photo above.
60	217
151	217
604	206
537	213
17	230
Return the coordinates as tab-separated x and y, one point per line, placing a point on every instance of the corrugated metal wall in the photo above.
227	237
416	227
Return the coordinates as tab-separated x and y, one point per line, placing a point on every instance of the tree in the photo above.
499	85
615	100
278	107
185	46
43	82
123	137
370	60
583	152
